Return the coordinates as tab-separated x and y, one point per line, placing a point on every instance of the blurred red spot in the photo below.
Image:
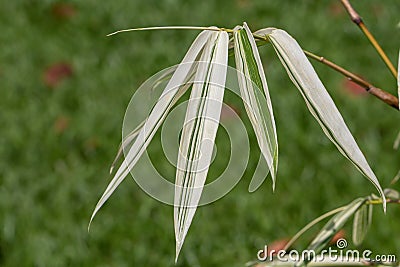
54	74
243	3
91	144
276	246
336	9
229	112
63	10
339	235
61	124
353	88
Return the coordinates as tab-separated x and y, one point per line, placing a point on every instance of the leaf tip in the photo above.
384	204
178	250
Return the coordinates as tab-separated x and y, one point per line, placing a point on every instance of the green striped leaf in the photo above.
257	101
332	227
361	223
199	131
320	103
398	78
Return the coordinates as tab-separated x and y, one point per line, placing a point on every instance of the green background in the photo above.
57	142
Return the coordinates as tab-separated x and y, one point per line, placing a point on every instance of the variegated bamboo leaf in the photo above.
257	101
165	76
320	103
361	223
264	32
332	227
198	134
398	78
156	117
392	194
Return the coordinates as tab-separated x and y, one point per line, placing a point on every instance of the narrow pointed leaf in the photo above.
257	101
392	194
398	78
198	134
125	143
320	103
156	117
128	140
264	32
361	223
332	227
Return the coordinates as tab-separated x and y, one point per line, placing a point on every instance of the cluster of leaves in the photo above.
203	70
360	209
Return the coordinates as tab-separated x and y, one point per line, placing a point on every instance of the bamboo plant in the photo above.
202	72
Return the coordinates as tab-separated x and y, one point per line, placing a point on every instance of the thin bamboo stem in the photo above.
382	95
356	18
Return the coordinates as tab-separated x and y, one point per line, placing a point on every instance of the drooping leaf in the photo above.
125	143
264	32
398	78
199	131
320	103
156	117
153	86
392	194
257	101
361	223
332	227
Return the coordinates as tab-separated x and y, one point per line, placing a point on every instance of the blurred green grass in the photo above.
57	143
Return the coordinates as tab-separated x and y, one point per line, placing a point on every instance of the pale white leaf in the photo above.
198	134
264	32
320	103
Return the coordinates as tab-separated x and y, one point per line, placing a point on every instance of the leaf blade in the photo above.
331	228
398	78
201	124
320	103
361	223
254	91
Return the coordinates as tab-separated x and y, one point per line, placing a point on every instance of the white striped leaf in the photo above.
361	223
264	32
154	86
257	101
198	134
331	228
156	117
398	78
320	103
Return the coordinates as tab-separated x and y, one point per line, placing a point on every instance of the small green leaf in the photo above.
361	223
332	227
398	78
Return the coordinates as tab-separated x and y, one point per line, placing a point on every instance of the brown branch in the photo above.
356	18
382	95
